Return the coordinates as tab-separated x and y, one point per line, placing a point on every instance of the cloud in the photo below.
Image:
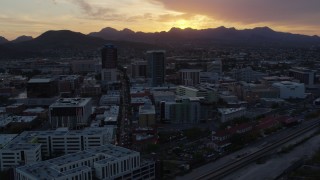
174	17
93	10
251	11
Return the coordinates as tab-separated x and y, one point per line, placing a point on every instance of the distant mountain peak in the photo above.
22	39
3	40
264	29
108	29
128	31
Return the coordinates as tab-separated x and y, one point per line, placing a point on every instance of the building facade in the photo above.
42	87
109	57
104	162
156	67
304	75
70	112
290	89
189	77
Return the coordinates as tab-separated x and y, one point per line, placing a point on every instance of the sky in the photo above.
33	17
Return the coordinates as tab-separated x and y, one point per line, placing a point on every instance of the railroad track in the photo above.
240	163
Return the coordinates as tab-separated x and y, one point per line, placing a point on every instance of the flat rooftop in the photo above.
230	110
51	168
41	80
30	137
6	138
147	109
71	102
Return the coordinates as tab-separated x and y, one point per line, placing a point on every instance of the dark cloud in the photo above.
91	10
305	12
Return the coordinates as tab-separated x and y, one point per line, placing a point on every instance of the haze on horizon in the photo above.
33	17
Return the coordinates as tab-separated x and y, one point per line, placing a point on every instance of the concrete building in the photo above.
139	69
109	75
290	89
147	115
247	74
184	110
228	114
83	66
304	75
189	77
111	116
16	108
70	112
32	146
42	87
254	92
215	67
110	99
109	57
206	91
156	67
69	83
105	162
17	120
209	77
187	91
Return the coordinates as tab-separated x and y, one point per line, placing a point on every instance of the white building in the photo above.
227	114
70	112
105	162
290	89
31	146
15	154
189	77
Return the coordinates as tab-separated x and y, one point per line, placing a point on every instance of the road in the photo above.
196	173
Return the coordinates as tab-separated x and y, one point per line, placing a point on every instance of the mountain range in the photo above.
221	35
65	43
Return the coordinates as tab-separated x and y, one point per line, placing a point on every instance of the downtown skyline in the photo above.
33	17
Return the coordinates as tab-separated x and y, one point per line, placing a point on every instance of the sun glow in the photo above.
182	24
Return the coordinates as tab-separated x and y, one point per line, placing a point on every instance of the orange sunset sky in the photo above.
33	17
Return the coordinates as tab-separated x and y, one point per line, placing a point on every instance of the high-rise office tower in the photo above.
156	67
109	56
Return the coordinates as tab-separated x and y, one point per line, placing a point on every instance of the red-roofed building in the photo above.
289	121
267	123
221	138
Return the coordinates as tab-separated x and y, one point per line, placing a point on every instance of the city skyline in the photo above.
34	17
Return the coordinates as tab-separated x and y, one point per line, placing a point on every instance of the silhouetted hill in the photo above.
22	39
63	43
3	40
260	36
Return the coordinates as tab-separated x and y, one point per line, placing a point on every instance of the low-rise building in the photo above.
290	89
16	108
228	114
31	146
183	110
147	115
105	162
70	112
